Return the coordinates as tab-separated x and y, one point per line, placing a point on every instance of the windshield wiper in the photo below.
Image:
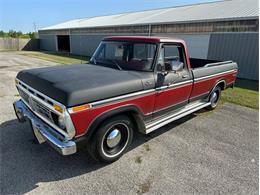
116	64
106	63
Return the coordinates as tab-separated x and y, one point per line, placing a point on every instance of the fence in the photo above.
19	44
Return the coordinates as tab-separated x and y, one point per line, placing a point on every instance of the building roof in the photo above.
212	11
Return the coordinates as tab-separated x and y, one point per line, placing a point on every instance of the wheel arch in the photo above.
221	83
133	112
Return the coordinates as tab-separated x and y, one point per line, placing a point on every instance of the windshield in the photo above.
125	55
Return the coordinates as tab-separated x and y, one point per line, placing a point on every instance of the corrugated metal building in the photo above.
220	30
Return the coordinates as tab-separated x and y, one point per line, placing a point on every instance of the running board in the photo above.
183	112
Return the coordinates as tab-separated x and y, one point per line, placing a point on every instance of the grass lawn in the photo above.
245	93
240	96
60	58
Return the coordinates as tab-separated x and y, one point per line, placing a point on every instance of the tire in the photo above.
111	139
214	98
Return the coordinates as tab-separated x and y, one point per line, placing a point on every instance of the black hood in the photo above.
81	83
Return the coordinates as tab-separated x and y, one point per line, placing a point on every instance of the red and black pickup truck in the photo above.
130	84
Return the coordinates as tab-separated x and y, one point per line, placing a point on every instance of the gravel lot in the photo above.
207	152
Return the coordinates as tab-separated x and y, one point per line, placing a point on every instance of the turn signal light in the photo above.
81	107
58	108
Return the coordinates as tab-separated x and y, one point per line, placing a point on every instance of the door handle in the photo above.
184	76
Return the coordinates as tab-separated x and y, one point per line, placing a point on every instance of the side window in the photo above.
172	53
173	56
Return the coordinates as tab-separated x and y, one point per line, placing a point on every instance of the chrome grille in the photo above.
24	95
41	109
38	103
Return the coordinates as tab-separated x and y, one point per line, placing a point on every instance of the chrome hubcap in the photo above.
214	98
113	138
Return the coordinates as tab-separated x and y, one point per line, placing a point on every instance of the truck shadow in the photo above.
25	164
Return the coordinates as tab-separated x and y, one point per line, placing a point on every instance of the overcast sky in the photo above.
23	14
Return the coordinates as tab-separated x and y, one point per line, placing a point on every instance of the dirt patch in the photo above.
3	67
138	159
145	187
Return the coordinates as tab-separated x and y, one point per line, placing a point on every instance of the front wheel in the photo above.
111	139
214	98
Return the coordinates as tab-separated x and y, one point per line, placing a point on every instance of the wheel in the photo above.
111	139
214	98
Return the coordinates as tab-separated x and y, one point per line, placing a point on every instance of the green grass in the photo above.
240	96
245	93
60	58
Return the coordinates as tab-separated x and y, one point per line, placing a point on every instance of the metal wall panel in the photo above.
198	44
48	42
84	44
240	47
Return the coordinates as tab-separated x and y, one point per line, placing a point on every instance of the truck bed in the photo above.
206	68
199	63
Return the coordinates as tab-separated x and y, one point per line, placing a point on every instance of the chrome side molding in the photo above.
175	116
214	75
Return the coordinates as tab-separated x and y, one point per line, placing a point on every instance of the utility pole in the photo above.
34	27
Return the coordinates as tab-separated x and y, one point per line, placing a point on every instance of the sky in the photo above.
26	15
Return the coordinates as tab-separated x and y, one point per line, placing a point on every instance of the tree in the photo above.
19	33
2	33
12	34
33	35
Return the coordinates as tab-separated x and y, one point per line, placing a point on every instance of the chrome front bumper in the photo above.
44	132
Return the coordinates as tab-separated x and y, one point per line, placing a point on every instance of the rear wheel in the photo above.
214	98
111	139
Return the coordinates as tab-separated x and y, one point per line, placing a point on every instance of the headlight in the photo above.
61	122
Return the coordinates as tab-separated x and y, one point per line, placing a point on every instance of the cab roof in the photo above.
147	39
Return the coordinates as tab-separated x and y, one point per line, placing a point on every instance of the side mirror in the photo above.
162	69
168	67
177	66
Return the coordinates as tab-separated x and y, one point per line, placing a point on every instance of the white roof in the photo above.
212	11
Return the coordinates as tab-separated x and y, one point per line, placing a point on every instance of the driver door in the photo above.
173	88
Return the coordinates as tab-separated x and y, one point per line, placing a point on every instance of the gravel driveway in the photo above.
207	152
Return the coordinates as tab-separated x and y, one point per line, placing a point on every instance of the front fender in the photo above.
130	110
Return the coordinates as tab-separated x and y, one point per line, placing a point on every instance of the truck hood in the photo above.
81	83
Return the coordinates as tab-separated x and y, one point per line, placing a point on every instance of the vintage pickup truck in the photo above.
132	83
